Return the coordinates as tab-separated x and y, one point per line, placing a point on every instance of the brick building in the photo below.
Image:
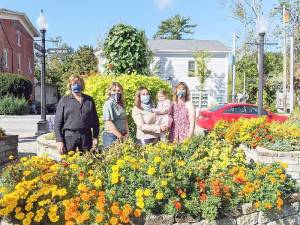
16	43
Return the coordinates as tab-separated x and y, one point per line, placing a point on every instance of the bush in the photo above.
16	85
201	177
96	86
10	105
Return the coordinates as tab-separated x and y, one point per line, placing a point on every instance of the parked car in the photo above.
231	112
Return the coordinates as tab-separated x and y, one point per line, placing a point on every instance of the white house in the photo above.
174	61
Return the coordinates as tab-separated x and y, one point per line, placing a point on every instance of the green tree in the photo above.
201	70
126	50
174	28
272	80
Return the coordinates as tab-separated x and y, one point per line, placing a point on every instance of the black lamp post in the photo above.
42	125
261	28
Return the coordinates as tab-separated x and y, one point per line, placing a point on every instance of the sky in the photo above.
81	22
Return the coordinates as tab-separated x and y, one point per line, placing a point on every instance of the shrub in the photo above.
200	177
10	105
96	86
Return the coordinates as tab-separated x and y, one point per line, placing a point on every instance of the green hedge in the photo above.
10	105
96	86
16	85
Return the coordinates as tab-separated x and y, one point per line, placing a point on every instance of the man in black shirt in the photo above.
76	120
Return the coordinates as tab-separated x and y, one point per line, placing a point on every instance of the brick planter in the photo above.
8	146
267	156
47	147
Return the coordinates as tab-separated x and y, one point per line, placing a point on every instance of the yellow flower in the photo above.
70	153
181	163
157	159
284	165
147	192
62	192
282	177
272	179
26	221
183	195
98	183
114	178
159	196
11	157
82	187
99	218
139	193
140	202
26	173
268	205
19	216
142	161
257	204
115	168
164	183
151	170
122	179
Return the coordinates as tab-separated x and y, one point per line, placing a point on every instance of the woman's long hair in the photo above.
187	96
137	98
113	85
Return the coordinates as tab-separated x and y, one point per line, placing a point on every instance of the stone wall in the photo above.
264	155
47	147
8	146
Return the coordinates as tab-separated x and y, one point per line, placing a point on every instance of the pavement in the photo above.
24	126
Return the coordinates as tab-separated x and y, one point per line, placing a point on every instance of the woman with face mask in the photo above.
144	118
114	116
76	122
183	114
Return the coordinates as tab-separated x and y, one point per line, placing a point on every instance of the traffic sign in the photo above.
57	50
38	47
37	54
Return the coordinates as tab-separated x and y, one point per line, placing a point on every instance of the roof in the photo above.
24	20
187	45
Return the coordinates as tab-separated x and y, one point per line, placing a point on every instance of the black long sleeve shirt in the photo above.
73	115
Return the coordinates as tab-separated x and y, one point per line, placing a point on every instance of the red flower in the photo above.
201	185
177	205
203	197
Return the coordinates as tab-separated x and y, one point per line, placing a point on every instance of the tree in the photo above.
174	28
126	50
272	80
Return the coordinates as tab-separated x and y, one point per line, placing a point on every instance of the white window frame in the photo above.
19	62
18	38
190	72
5	57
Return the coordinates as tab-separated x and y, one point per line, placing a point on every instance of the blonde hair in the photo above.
187	96
113	85
162	92
71	79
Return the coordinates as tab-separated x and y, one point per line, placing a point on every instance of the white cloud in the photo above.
162	4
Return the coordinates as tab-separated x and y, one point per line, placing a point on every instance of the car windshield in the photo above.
215	108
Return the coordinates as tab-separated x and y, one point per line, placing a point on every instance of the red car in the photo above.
231	112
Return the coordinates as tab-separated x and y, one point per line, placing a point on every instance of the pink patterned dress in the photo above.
180	127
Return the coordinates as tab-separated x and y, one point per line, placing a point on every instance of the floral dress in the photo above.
181	123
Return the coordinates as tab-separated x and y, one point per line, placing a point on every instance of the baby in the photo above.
162	111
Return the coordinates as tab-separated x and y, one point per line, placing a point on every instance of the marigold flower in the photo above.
159	196
268	205
157	159
99	218
147	192
177	205
164	183
11	157
137	213
257	204
151	170
279	203
113	221
203	197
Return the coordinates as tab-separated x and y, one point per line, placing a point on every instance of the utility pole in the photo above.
233	66
244	90
261	72
292	76
284	78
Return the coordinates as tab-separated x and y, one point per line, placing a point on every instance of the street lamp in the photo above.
261	27
42	126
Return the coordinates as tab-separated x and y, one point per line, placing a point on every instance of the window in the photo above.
236	110
29	65
18	38
19	62
5	58
254	110
191	68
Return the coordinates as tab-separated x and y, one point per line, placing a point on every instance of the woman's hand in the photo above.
95	142
163	128
60	147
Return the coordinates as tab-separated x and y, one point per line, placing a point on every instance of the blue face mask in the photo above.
76	88
180	93
117	97
145	99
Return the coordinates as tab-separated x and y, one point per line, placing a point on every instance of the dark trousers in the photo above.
81	139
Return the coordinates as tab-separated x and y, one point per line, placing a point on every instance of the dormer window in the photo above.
18	38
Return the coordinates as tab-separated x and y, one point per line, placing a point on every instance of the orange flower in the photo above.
257	204
279	203
127	209
177	205
268	205
99	218
115	208
201	185
203	197
113	221
137	213
69	223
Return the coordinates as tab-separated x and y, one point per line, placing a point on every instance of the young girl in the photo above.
183	114
163	112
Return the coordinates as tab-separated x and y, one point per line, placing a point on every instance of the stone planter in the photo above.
267	156
8	146
47	147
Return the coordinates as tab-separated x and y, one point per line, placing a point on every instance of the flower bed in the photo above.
204	178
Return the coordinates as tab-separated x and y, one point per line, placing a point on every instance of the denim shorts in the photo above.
108	139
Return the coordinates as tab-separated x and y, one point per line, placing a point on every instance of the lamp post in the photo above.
233	65
42	125
261	29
